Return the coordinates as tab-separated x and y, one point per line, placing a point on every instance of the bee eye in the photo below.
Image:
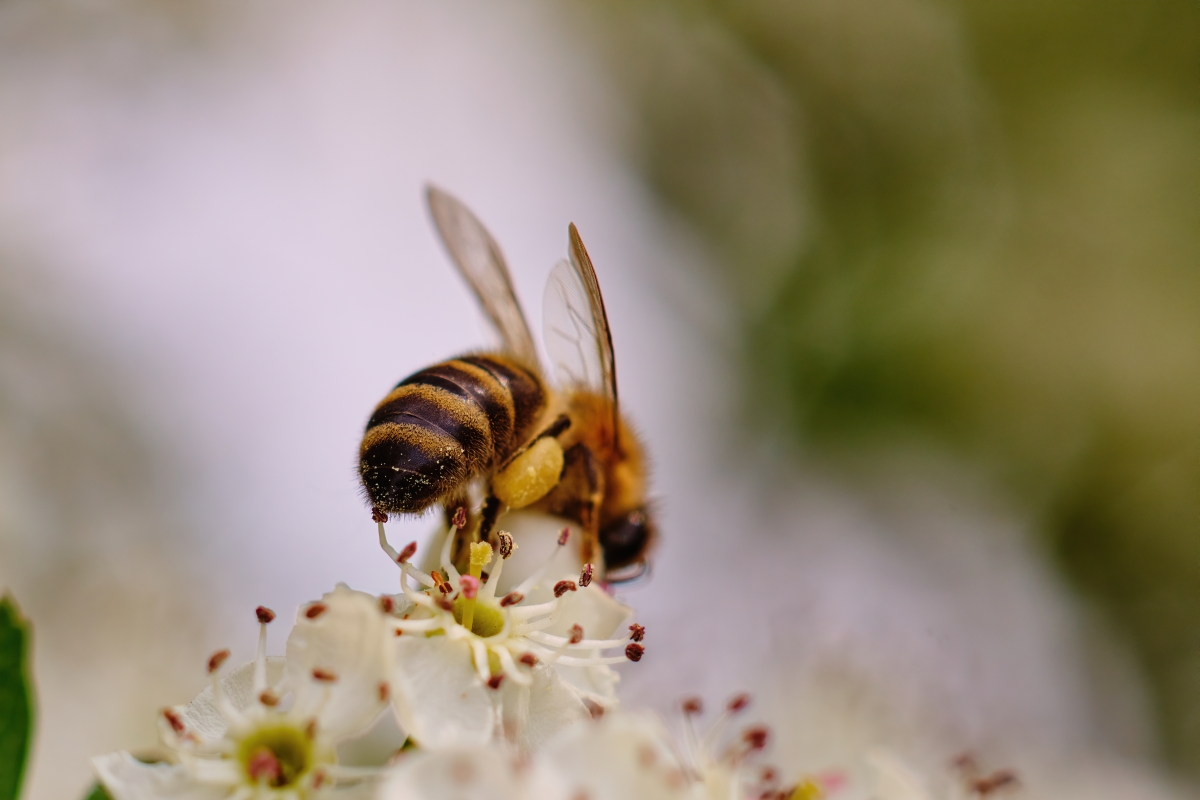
626	540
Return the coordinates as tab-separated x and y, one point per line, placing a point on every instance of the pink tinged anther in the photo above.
562	587
756	737
511	599
529	660
564	536
459	520
585	575
264	766
469	585
216	660
408	552
576	634
264	614
386	604
174	720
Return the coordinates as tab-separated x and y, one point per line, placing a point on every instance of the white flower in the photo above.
270	729
717	764
469	666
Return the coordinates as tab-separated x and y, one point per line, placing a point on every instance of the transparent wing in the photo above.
478	258
575	326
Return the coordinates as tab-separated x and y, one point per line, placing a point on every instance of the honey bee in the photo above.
491	419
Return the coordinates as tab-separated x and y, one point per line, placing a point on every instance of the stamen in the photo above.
408	552
216	660
268	698
383	542
379	515
562	587
692	705
385	691
529	660
738	702
174	720
315	610
756	737
459	520
510	599
264	614
386	604
532	581
448	544
585	575
323	675
634	651
637	632
509	667
495	681
507	545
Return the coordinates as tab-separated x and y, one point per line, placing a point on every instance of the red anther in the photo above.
528	659
562	587
585	574
692	705
768	775
459	519
216	660
398	632
264	614
323	675
386	604
595	710
315	610
310	729
268	698
263	767
469	585
495	681
408	552
506	543
174	720
738	702
378	515
637	632
511	599
966	763
634	651
444	604
1001	779
756	737
564	536
385	691
576	634
318	779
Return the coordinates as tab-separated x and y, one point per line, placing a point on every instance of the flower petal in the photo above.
477	773
203	718
895	780
437	695
617	757
126	778
533	714
601	617
346	641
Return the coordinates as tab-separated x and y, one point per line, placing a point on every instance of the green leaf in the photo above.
98	793
16	706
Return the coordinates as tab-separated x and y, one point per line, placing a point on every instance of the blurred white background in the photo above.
212	217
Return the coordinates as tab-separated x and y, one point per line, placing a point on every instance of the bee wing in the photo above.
575	326
478	258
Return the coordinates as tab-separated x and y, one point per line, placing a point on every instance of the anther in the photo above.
459	520
634	651
174	720
738	702
310	729
637	632
268	698
323	675
264	767
529	660
692	705
506	544
511	599
469	585
563	536
318	779
585	575
386	604
408	552
444	604
385	691
378	515
576	634
315	610
495	681
216	660
755	737
562	587
264	614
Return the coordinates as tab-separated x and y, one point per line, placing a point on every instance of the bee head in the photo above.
626	544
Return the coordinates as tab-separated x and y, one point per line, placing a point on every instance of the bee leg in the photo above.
554	429
487	517
589	512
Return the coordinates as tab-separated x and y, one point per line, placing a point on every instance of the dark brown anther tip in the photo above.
692	705
637	632
511	599
585	574
378	515
315	610
408	552
576	634
562	587
529	660
505	543
756	737
495	681
634	651
216	660
459	519
738	702
264	614
386	604
174	720
323	675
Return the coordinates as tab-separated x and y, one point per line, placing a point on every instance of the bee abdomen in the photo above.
524	393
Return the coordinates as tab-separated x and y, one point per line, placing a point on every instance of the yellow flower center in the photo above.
276	756
487	619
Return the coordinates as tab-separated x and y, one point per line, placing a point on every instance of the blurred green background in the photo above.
967	228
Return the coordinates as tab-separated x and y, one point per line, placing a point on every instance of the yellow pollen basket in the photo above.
531	475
